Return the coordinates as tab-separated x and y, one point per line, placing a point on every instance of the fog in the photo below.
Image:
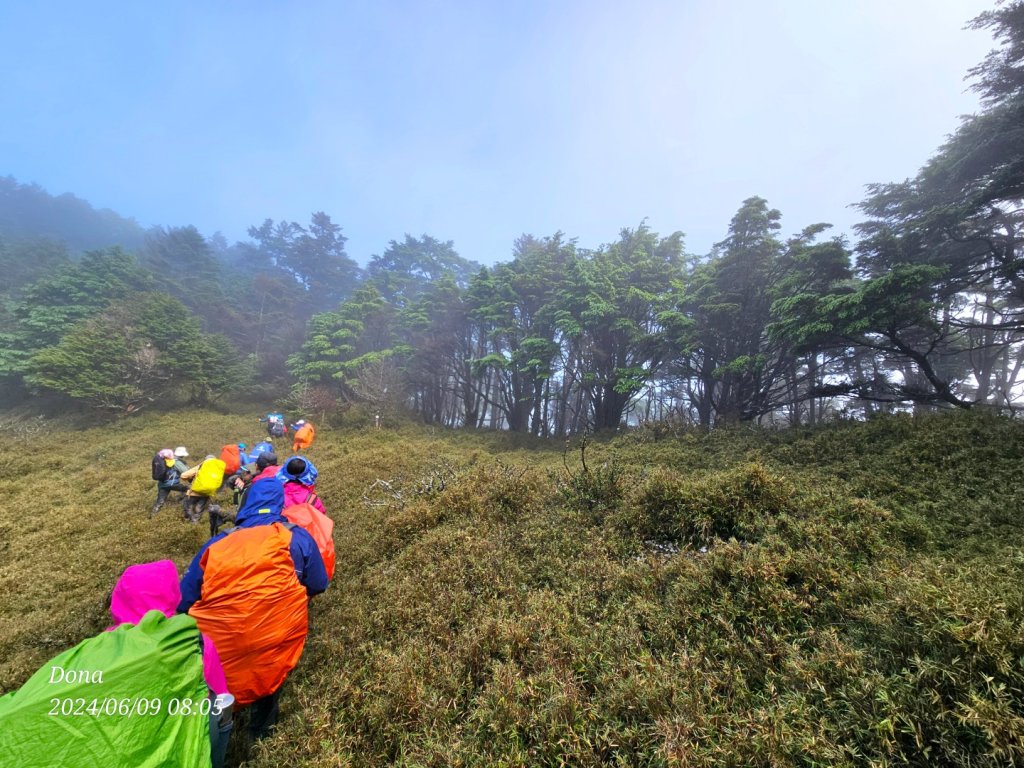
477	124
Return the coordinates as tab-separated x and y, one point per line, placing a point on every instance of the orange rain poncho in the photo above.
303	437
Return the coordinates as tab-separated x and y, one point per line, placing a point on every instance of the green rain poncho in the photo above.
131	697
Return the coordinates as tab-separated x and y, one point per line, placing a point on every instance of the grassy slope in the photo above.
850	595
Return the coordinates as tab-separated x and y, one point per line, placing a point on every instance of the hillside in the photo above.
27	211
850	595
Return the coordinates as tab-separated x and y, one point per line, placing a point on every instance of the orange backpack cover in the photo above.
303	437
229	454
253	608
319	526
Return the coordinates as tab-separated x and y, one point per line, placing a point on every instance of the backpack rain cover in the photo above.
149	671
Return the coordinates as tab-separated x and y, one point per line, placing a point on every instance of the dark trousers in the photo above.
263	715
220	734
162	492
194	507
217	519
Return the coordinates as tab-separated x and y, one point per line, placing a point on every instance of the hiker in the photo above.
167	473
134	695
207	477
154	587
234	456
303	507
265	465
162	459
265	469
299	478
261	447
304	434
249	589
276	426
235	460
240	482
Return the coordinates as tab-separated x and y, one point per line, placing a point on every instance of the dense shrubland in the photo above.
842	595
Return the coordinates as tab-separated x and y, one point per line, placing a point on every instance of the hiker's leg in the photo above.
263	715
220	733
161	497
198	506
215	519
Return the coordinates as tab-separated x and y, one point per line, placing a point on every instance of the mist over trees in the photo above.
925	310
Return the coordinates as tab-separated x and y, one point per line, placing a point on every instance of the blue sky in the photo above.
480	121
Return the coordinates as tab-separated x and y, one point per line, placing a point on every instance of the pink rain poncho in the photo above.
154	587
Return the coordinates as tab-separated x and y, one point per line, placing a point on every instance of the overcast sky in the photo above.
479	121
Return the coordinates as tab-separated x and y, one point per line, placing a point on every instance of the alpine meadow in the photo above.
849	594
614	504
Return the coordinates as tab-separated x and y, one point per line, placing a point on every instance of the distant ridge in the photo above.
28	211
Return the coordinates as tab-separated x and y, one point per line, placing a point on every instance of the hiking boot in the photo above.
215	519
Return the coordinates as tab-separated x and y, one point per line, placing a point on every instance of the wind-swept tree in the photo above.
609	318
818	357
339	343
724	309
517	306
442	342
942	298
314	256
184	266
407	268
23	261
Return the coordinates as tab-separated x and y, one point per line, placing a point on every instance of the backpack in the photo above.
171	477
209	477
316	524
304	436
231	457
159	468
253	608
260	448
115	699
277	428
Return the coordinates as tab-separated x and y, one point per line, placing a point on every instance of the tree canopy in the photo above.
924	310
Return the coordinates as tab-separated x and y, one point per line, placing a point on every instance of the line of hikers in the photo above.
277	427
235	468
160	686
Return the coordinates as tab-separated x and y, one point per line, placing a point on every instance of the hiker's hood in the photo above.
145	587
308	477
263	504
154	587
